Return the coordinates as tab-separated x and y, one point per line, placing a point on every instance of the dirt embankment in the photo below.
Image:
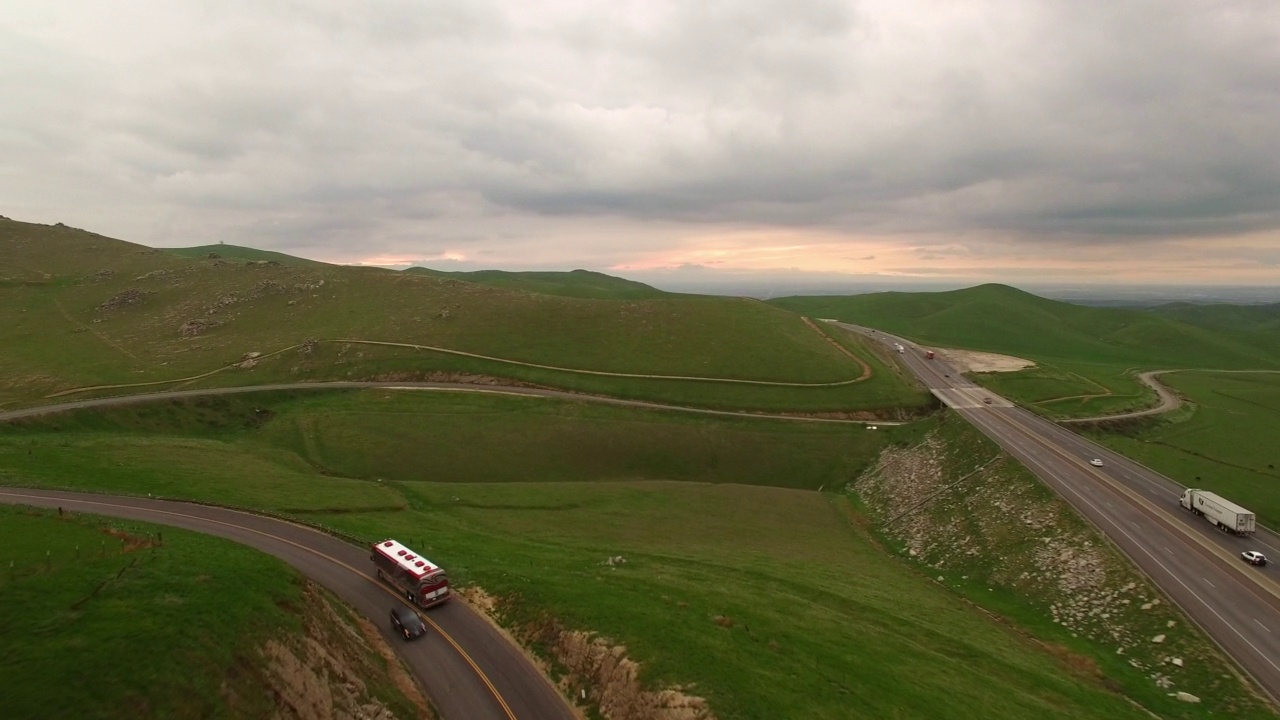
327	672
980	362
596	671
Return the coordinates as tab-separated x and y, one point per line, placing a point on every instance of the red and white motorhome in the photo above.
422	582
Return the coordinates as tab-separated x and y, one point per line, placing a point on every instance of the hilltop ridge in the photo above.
574	283
1003	319
237	252
79	309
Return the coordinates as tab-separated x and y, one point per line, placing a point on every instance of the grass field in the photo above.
236	252
328	450
101	619
78	309
729	553
1260	321
1073	389
1225	443
1088	357
575	283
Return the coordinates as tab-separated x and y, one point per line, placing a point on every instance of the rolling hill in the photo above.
525	496
1260	321
236	252
998	318
79	309
575	283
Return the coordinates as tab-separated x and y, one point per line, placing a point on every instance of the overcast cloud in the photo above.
1013	141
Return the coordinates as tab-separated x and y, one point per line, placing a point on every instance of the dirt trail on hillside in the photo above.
1169	401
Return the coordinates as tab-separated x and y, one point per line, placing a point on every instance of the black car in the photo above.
407	622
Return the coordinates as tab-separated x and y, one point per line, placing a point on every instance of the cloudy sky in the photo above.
1021	141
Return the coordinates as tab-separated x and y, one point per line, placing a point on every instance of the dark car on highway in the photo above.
407	623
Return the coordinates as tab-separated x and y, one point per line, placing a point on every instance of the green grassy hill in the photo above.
235	252
1264	319
998	318
1086	357
729	551
79	309
575	283
741	536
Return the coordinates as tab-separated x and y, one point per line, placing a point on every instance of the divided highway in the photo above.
1197	566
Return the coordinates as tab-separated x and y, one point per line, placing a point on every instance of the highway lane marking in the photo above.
1264	627
1070	439
1139	502
372	580
1206	582
1175	578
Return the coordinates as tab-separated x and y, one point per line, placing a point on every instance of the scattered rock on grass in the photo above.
192	328
132	296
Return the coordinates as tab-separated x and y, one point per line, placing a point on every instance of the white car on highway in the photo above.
1253	557
1096	462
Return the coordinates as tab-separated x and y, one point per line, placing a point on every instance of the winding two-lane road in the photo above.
468	668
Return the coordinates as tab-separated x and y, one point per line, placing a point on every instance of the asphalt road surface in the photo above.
1197	566
470	670
8	415
467	667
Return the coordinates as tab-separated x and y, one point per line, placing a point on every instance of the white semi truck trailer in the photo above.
1220	511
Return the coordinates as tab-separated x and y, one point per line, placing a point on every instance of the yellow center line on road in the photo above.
1262	582
372	580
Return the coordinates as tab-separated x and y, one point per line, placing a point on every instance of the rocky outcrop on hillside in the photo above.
124	298
326	673
597	670
197	326
990	524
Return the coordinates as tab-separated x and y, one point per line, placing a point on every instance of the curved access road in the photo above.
467	667
438	386
1169	400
